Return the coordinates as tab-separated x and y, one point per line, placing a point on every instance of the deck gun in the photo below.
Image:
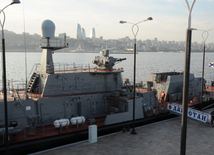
120	59
106	62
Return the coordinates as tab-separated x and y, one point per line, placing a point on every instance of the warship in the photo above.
61	101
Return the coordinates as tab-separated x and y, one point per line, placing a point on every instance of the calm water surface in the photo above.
147	62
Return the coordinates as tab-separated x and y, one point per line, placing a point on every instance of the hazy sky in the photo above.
169	17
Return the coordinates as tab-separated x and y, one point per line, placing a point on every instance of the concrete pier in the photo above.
162	138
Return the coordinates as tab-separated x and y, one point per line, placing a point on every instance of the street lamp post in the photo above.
204	35
4	73
135	34
202	78
186	81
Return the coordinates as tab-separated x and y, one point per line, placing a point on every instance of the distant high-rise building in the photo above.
101	38
92	34
156	40
127	39
83	33
79	32
62	35
148	42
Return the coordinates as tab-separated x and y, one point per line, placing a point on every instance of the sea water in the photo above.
147	62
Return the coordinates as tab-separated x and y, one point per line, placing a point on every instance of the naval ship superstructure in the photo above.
61	101
69	98
171	83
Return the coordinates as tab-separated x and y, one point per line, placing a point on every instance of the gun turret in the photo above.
106	62
121	59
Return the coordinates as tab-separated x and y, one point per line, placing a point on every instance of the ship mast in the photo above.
48	30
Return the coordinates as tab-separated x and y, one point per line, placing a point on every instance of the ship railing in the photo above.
8	85
19	86
12	88
53	42
35	68
71	67
96	69
63	67
12	85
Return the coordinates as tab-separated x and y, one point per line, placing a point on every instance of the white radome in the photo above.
48	28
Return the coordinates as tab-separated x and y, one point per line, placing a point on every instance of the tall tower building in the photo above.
155	40
83	33
92	34
79	32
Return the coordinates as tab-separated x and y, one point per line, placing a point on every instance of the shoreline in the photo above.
29	51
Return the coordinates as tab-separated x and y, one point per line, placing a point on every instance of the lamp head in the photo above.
149	18
122	22
15	2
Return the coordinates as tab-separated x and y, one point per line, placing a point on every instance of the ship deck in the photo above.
90	70
209	88
10	95
157	139
36	96
50	130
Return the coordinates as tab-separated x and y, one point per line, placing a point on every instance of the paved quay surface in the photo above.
162	138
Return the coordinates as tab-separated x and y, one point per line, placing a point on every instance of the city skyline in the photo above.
16	43
170	17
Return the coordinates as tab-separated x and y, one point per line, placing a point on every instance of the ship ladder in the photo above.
31	82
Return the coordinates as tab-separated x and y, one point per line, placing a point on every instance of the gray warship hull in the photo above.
61	101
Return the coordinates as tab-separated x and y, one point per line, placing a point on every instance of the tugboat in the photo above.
62	100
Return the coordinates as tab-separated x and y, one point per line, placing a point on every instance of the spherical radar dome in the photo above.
48	28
